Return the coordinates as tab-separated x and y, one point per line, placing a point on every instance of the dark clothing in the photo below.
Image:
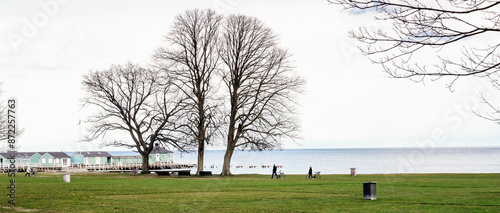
310	172
274	172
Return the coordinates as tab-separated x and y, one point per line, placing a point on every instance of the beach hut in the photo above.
4	161
160	154
22	159
55	159
159	157
94	158
35	159
28	159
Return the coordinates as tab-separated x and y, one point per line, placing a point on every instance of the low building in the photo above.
92	158
158	155
158	158
22	160
55	159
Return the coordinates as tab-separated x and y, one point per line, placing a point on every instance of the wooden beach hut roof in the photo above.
18	154
160	150
25	154
5	155
94	154
56	154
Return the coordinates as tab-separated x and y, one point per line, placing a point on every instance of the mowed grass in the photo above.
104	192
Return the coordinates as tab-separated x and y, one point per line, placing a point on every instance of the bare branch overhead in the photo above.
431	26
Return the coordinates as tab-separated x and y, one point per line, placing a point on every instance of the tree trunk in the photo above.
145	164
201	154
227	161
201	130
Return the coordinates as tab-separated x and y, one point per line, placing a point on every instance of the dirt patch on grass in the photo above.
16	209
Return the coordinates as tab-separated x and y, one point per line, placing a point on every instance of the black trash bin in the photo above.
370	190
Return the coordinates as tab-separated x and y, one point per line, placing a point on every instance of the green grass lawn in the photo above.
103	192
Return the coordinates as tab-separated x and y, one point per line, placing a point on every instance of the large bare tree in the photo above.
262	87
190	59
137	101
437	27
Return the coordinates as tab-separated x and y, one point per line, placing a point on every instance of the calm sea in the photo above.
365	160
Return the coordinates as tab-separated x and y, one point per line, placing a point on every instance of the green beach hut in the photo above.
160	154
92	158
4	161
55	159
23	159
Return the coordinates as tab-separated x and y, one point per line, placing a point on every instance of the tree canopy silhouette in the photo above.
190	60
262	87
136	101
431	27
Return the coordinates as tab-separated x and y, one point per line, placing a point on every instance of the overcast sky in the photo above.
47	46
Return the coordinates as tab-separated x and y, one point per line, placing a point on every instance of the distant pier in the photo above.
99	167
120	167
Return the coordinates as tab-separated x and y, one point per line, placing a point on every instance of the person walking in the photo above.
310	173
28	172
274	171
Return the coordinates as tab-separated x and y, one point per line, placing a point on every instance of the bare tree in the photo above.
4	126
431	26
191	60
262	87
136	101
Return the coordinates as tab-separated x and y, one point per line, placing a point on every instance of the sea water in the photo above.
340	161
365	160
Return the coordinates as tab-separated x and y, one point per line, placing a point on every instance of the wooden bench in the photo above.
185	173
166	172
162	173
206	173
